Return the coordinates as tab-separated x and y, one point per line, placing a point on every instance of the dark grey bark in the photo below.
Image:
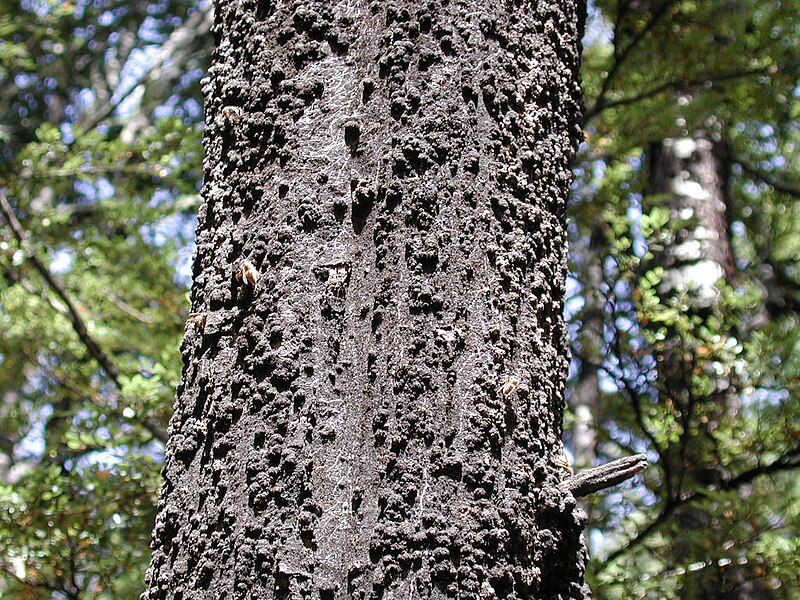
375	365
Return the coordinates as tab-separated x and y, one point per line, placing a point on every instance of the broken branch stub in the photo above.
605	476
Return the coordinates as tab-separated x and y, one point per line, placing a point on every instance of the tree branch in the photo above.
674	84
72	312
74	316
620	56
786	462
666	511
41	585
779	186
136	170
605	476
195	26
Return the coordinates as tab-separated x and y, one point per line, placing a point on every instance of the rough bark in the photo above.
375	366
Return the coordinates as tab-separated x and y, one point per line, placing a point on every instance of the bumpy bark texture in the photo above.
375	410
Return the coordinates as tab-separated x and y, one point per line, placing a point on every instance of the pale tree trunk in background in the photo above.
689	176
175	56
585	396
374	373
584	399
690	171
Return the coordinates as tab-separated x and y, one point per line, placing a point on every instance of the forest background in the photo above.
101	126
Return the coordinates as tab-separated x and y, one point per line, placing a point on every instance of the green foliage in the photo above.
81	531
677	67
710	394
104	183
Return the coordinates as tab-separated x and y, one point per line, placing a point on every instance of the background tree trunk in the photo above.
691	172
585	397
697	259
373	380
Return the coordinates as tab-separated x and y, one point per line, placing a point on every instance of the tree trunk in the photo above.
375	365
584	399
692	173
687	176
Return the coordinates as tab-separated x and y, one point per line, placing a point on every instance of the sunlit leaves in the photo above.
711	394
92	521
109	209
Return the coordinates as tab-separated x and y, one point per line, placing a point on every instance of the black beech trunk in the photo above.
374	373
